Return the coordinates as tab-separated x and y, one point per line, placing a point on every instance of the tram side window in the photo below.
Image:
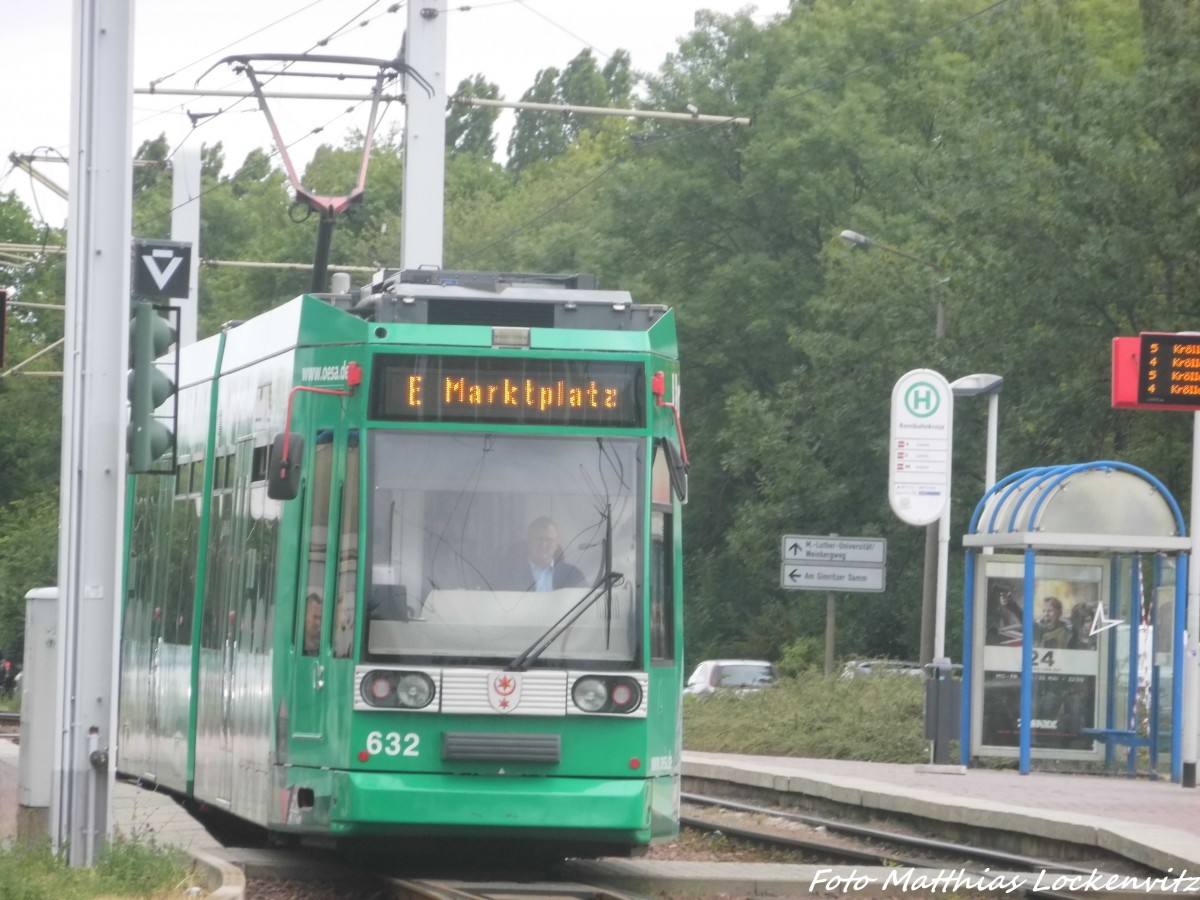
662	568
183	479
347	564
312	611
662	560
259	466
181	590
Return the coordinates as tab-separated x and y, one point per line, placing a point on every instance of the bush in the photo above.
867	719
802	656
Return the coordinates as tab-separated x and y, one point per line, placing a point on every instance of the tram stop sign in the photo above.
920	446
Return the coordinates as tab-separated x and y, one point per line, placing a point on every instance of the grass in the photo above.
125	869
877	719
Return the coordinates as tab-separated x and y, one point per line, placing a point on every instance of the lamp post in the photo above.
973	386
976	385
862	242
858	241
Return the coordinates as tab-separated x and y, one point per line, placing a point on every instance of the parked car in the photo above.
859	668
731	674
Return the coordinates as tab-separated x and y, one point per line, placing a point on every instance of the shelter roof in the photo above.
1101	506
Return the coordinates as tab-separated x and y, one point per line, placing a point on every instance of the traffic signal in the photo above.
148	436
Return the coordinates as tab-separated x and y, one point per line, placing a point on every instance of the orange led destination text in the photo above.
516	393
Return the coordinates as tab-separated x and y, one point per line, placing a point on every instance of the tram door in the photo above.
313	612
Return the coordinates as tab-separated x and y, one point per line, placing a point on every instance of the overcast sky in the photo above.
508	41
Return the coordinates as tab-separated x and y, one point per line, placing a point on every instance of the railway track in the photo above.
405	889
877	857
10	723
838	842
930	851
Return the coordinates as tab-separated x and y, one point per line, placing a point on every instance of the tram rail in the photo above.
916	843
936	853
407	889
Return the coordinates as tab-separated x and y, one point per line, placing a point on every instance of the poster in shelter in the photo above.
1065	655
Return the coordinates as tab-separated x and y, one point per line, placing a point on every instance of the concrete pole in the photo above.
830	632
422	214
993	427
929	594
91	517
1191	656
943	569
185	226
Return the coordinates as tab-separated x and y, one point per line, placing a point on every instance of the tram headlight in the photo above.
392	689
590	694
414	690
607	694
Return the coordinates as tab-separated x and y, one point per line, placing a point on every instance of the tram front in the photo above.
504	683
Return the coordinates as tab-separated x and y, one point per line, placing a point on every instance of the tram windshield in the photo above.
498	549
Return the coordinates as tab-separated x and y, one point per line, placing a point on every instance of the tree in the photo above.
28	559
539	136
30	421
471	129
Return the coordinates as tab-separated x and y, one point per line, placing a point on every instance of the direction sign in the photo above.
842	551
804	577
813	562
920	445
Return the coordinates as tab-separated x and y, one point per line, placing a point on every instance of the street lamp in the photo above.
858	241
975	385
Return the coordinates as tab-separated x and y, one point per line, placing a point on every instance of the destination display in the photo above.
1169	370
506	390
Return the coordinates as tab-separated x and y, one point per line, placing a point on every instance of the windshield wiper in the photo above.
602	588
608	543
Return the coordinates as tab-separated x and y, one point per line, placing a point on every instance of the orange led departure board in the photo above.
1169	370
508	390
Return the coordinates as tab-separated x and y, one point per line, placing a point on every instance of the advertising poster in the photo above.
1066	656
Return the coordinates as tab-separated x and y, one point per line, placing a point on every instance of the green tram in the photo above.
333	626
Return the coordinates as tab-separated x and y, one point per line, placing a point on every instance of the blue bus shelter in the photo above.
1101	549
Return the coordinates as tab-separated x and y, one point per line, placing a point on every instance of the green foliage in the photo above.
541	136
471	129
30	421
123	869
135	868
28	559
869	719
802	656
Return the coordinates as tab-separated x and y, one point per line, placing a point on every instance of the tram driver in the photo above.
540	567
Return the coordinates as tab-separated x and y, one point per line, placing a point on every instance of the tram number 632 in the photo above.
393	743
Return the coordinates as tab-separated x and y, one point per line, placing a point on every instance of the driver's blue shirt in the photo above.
543	579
